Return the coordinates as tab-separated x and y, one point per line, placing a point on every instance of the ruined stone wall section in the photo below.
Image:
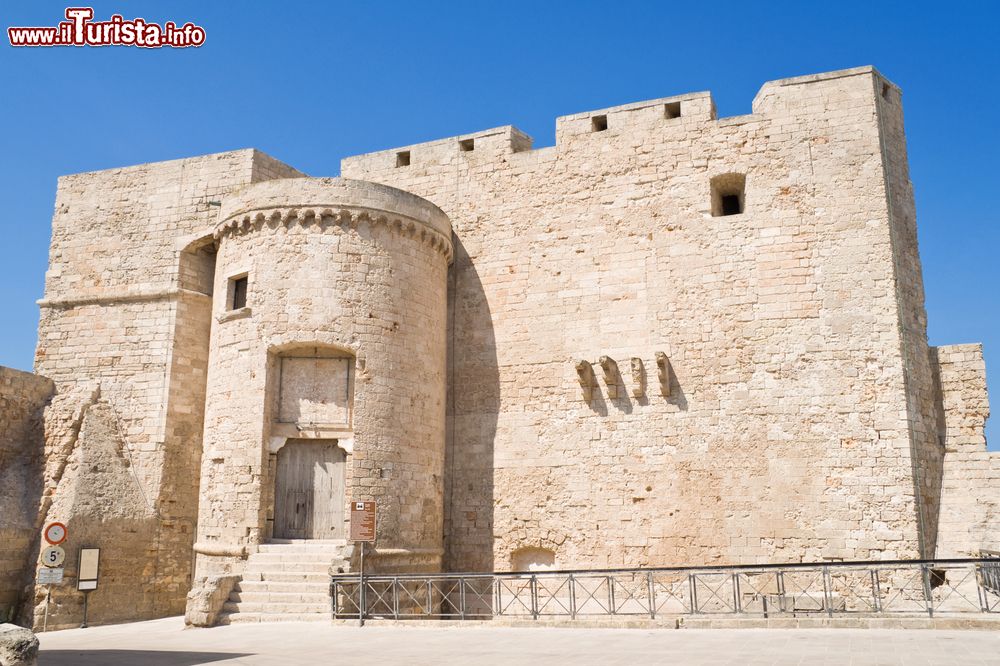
785	434
23	397
331	265
970	489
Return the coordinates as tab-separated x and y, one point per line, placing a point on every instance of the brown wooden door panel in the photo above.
309	490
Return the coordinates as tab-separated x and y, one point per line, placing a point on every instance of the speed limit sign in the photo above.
53	556
55	533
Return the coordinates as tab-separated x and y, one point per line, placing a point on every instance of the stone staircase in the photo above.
286	581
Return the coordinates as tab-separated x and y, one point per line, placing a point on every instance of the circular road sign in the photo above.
55	533
53	556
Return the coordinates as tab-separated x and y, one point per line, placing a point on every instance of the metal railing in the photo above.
871	588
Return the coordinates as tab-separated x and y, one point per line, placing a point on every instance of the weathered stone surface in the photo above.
18	646
750	288
22	400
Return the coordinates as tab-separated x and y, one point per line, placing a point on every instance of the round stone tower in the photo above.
326	377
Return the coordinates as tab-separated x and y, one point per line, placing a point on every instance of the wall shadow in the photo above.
123	657
473	407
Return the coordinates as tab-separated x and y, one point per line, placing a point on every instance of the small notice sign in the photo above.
50	576
89	567
363	521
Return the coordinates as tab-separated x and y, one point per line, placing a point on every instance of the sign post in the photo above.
363	531
53	558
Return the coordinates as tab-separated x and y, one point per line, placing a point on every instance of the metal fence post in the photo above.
737	606
651	589
779	578
461	596
928	596
611	595
534	596
693	583
499	602
877	590
395	598
572	597
827	592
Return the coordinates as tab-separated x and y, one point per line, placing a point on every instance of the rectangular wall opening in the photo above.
403	158
672	110
238	292
598	123
728	194
467	145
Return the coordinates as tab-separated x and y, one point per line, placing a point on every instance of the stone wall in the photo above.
124	331
970	495
22	398
354	275
788	431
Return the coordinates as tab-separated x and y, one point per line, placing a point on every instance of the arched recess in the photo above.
310	443
196	266
533	558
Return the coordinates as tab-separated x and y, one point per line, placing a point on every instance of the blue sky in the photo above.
313	82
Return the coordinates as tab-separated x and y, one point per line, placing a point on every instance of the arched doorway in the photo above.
309	490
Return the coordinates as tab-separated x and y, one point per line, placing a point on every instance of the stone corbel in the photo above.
664	373
585	371
611	376
638	377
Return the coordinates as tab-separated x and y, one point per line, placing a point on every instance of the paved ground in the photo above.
167	643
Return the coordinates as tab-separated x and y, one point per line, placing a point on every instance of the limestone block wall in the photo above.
970	489
339	265
124	329
23	396
918	371
790	425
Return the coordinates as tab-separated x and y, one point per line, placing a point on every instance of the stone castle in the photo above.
670	338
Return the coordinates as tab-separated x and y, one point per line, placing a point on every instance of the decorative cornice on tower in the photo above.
346	203
320	218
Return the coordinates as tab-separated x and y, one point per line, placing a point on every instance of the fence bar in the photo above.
534	597
737	606
572	597
651	591
827	592
876	591
928	596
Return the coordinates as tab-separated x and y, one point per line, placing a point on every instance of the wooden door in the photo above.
309	490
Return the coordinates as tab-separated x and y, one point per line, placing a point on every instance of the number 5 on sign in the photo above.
53	556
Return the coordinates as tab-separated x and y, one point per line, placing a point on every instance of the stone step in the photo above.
283	607
241	617
283	556
253	566
309	546
302	587
286	577
271	597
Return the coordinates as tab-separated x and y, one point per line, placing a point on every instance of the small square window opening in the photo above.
238	290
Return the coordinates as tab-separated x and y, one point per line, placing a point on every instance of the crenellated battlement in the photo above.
682	116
